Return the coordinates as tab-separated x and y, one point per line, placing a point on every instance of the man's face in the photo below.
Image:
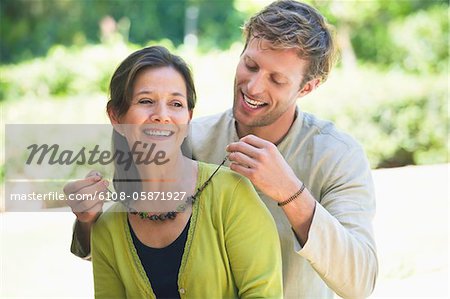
267	84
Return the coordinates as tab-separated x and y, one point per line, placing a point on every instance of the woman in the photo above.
219	242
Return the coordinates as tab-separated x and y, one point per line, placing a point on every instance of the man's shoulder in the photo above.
212	121
325	134
210	135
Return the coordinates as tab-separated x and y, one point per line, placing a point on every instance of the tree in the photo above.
31	27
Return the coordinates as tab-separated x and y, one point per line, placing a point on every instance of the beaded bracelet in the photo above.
297	194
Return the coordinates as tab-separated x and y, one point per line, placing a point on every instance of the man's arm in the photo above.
87	211
336	235
343	221
81	245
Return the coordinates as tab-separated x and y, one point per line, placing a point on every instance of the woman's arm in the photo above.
253	244
107	283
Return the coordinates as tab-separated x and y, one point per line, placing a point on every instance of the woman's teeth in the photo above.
252	103
164	133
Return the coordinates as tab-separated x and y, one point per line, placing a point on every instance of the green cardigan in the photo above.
232	249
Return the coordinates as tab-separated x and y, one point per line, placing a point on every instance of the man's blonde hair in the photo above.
288	24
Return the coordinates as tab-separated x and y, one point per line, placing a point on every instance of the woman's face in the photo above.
158	112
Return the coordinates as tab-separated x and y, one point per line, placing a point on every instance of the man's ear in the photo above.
308	87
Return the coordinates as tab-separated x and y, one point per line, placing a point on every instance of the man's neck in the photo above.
274	132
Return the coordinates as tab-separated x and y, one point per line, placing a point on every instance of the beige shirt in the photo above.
340	254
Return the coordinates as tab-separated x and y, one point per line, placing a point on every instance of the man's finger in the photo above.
88	196
244	148
245	171
93	173
88	203
76	186
255	141
242	159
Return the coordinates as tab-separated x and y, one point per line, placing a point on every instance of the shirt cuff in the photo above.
314	231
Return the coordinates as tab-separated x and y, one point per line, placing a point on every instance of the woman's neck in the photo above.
171	170
164	187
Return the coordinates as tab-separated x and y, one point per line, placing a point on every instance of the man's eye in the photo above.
278	82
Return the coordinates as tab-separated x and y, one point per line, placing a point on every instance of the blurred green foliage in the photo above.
399	118
64	71
410	34
29	28
421	40
410	131
394	99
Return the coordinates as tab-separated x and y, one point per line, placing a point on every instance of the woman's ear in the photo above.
188	124
114	119
113	116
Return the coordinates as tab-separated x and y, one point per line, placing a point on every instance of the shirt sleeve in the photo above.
252	245
76	247
341	245
107	283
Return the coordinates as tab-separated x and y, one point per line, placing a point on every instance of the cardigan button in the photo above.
182	291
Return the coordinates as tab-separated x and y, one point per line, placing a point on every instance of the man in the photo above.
315	180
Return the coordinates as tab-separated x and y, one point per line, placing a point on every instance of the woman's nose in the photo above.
160	115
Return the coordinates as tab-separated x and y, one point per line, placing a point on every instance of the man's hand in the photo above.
88	210
261	162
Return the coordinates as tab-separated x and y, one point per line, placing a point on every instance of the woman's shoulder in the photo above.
206	170
227	185
111	218
230	196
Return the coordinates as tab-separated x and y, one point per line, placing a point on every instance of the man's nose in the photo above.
160	115
256	84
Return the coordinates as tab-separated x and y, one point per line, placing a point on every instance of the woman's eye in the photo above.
177	104
251	68
145	101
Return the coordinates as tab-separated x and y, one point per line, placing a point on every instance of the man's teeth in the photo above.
253	103
158	132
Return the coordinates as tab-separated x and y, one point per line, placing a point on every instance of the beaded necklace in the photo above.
180	208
